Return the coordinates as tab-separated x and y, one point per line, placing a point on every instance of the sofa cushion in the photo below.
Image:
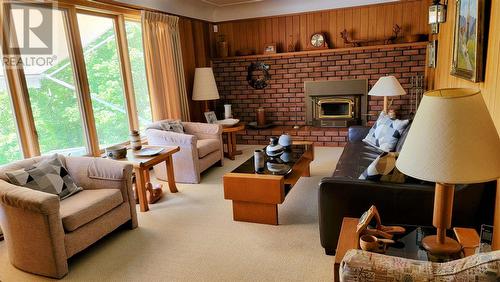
386	132
88	205
49	176
383	168
355	158
207	146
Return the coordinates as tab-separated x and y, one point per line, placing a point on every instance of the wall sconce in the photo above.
437	15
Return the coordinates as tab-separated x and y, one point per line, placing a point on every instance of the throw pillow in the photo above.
386	132
383	168
48	176
168	125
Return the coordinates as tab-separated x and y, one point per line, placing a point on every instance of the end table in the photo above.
142	166
229	137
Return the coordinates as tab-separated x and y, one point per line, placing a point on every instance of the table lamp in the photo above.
387	86
452	140
205	88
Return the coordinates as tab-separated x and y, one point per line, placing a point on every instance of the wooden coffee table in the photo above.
142	165
256	196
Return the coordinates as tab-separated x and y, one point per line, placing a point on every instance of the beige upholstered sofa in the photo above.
200	148
42	232
358	265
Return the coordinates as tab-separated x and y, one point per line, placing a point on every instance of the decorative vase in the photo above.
286	157
227	111
261	116
285	140
259	159
223	49
135	140
274	149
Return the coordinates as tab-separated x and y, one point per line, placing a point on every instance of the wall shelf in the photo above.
323	51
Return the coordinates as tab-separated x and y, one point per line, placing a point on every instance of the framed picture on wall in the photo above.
469	42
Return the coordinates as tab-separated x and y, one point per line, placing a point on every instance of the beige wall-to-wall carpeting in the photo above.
190	236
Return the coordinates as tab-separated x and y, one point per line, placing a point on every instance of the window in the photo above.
136	54
77	96
105	79
52	93
9	145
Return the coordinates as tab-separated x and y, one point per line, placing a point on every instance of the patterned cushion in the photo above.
386	132
48	176
359	265
168	125
383	168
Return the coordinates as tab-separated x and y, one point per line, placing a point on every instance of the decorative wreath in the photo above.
258	75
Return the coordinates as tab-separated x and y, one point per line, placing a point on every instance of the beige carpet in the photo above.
190	236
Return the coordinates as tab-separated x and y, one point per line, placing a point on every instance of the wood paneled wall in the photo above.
372	22
195	42
491	85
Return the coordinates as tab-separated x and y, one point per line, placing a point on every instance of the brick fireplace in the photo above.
285	99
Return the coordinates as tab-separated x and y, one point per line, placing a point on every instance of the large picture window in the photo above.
52	92
100	51
90	96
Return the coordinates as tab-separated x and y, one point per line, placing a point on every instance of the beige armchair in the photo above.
200	147
42	232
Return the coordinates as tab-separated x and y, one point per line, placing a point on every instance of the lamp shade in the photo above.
452	139
387	86
204	87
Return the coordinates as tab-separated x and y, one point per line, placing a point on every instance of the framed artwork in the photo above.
468	48
270	48
211	117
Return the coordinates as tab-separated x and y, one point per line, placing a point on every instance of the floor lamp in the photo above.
452	140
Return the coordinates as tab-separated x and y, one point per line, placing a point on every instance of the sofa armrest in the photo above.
358	132
357	265
169	138
28	199
33	230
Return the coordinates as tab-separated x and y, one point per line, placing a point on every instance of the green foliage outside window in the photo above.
55	106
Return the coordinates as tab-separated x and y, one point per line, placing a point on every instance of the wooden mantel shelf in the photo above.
324	51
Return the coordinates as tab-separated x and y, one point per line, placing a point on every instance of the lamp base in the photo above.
449	247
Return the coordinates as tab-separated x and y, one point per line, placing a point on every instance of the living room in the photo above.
229	140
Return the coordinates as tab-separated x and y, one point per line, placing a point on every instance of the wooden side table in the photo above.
142	165
230	140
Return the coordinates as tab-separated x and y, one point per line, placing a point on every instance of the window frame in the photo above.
16	80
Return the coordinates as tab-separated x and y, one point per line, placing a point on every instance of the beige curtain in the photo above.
164	67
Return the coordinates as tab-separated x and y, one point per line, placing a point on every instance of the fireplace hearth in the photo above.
336	103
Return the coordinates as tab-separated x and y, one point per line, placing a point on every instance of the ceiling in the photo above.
223	3
226	10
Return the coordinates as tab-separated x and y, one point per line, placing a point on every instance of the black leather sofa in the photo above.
344	195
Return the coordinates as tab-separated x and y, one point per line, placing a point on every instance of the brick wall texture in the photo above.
283	98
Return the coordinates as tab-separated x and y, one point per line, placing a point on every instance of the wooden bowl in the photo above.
116	152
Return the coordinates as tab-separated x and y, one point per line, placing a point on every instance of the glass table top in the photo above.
281	165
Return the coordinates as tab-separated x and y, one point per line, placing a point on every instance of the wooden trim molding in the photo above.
126	70
81	81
